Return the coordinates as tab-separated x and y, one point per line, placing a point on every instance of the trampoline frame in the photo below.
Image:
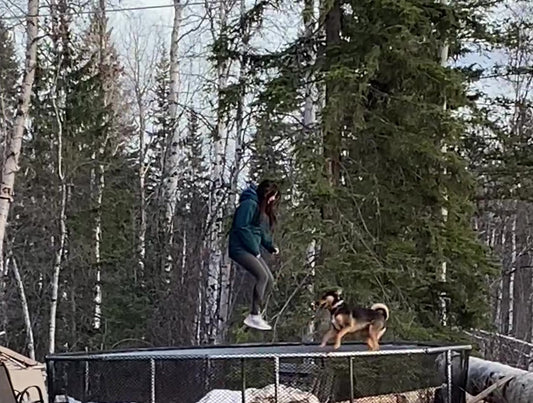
209	353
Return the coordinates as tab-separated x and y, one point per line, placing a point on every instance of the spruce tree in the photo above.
373	186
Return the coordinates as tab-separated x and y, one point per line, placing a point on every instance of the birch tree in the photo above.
141	67
226	277
11	261
309	121
442	272
8	79
173	155
62	218
14	140
218	274
61	54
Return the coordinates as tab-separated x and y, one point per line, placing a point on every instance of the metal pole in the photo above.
276	374
50	380
449	379
86	381
243	381
152	380
465	355
352	394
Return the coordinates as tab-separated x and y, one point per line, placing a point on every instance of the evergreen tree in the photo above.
380	175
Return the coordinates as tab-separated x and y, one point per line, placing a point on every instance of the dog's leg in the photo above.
369	343
343	332
327	337
374	335
381	333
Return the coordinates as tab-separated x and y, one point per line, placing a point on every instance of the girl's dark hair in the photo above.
265	191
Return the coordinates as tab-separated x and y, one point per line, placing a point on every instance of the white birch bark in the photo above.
171	172
491	241
530	313
183	257
141	234
60	252
512	268
311	255
443	270
217	275
97	185
4	272
140	67
226	285
14	141
24	303
142	169
58	96
98	181
57	269
499	314
309	120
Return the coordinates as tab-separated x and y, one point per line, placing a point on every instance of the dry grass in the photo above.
416	396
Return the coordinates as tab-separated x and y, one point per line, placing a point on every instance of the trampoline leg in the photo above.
50	380
449	378
86	381
152	380
351	381
276	384
243	381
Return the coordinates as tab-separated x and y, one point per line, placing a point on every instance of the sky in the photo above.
153	28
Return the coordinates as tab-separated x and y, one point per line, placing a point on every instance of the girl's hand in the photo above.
258	256
276	251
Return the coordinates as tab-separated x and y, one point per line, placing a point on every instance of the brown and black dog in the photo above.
369	323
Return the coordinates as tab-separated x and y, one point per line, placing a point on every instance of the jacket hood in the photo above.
249	193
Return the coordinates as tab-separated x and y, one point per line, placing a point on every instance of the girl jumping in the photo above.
251	229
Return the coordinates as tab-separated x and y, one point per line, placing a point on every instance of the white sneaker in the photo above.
257	322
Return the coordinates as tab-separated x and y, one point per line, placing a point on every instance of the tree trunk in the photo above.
60	252
443	270
14	141
504	286
309	120
4	272
141	68
98	175
312	252
512	269
141	234
57	267
226	283
218	271
482	373
332	134
24	303
97	188
171	172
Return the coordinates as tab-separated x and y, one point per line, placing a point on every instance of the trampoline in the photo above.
414	372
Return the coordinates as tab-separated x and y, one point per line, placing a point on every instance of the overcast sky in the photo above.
154	26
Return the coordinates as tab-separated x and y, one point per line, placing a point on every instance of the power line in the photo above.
109	10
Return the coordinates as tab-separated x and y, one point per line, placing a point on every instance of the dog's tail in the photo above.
384	309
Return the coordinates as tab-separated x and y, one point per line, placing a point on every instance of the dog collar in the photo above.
339	303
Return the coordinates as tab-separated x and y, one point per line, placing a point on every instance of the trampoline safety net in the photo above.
281	373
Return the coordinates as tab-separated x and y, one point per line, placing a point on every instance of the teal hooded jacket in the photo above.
249	231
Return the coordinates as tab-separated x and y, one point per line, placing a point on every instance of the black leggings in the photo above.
263	277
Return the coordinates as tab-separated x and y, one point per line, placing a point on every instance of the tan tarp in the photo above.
24	372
